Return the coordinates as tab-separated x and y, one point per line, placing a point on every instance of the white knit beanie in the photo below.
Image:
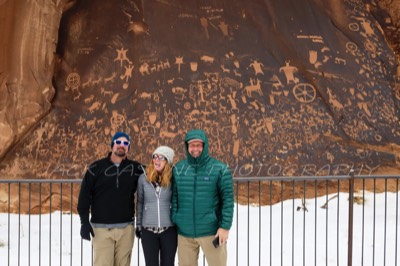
167	152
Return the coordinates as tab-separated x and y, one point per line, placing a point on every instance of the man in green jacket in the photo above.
202	203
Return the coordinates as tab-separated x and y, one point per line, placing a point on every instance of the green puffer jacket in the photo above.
202	193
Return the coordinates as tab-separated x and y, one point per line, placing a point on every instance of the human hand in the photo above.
223	235
86	231
138	232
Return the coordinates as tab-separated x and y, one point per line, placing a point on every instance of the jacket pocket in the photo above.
210	218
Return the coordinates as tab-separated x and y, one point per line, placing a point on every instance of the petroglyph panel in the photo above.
288	94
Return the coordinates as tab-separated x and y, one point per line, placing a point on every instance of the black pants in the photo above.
160	249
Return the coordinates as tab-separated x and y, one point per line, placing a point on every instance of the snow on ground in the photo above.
269	235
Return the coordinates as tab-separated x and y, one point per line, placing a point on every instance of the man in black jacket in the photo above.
107	193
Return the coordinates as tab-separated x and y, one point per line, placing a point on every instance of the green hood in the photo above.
197	134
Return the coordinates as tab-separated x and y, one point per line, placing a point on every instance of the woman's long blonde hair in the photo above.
164	179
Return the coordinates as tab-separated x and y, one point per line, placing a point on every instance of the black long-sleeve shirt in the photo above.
107	192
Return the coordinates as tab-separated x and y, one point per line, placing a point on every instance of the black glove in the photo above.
138	232
86	231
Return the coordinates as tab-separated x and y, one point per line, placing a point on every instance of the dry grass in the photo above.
358	200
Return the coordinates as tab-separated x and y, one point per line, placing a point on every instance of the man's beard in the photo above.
120	153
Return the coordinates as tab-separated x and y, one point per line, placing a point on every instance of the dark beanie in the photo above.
118	135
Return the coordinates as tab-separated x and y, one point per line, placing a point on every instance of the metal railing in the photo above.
304	220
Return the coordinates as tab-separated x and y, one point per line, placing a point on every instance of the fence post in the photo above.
350	234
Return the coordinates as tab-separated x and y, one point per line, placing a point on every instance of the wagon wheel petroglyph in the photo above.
304	92
73	80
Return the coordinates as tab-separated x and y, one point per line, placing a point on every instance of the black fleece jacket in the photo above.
107	191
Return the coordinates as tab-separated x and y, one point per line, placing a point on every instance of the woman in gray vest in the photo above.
153	222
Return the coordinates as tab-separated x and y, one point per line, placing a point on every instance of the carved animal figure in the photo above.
253	88
207	59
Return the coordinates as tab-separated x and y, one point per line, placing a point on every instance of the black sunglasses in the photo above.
159	157
119	142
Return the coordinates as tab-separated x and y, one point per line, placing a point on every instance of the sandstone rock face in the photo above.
28	42
281	87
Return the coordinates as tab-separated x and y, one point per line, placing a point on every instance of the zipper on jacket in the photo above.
158	207
158	195
117	176
194	201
